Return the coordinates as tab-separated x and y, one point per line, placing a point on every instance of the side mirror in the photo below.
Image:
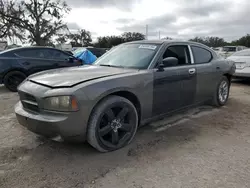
168	62
71	59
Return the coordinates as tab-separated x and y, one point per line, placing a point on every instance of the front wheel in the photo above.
113	124
222	92
13	79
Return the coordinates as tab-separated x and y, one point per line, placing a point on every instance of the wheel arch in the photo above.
229	77
16	69
122	93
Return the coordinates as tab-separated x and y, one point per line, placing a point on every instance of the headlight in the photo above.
61	103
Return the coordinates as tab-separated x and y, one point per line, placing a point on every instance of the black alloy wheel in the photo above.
113	124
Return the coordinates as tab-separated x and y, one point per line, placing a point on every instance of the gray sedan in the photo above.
131	85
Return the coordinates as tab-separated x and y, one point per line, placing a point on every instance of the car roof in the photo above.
164	41
28	47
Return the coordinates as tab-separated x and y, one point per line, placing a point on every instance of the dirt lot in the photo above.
204	147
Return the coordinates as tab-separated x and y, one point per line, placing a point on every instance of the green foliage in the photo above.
110	41
243	41
81	38
132	36
210	41
167	38
8	27
40	19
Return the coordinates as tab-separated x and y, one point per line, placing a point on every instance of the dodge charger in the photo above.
131	85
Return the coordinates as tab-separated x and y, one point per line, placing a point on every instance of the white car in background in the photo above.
242	63
227	51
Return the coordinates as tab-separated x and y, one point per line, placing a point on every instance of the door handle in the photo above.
191	71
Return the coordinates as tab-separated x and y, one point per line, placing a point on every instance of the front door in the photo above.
175	87
62	59
167	85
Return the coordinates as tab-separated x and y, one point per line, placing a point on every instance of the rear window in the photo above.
201	55
7	53
32	53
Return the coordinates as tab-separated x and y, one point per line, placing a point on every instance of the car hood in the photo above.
69	77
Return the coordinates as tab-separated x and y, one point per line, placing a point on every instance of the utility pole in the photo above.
159	35
147	32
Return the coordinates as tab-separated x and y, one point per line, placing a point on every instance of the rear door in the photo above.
34	60
207	72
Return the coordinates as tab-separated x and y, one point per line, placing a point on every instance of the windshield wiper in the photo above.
106	65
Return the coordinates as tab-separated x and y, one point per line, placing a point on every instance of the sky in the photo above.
179	19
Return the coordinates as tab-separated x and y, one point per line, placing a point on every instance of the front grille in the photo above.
29	101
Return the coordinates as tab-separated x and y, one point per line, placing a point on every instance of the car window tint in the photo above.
56	54
181	52
201	55
25	53
33	53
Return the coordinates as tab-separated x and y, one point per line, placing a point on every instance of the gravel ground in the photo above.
204	147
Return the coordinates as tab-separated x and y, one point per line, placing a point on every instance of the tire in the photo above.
219	101
13	79
109	115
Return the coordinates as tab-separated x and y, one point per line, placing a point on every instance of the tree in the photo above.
75	39
243	41
167	38
61	39
215	41
40	19
198	39
85	37
108	41
210	41
7	28
132	36
81	38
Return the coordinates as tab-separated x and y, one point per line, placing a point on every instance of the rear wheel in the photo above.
222	92
113	124
13	79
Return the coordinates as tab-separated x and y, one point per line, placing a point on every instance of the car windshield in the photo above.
229	49
134	55
242	53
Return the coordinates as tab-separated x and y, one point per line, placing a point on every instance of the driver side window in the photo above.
180	52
